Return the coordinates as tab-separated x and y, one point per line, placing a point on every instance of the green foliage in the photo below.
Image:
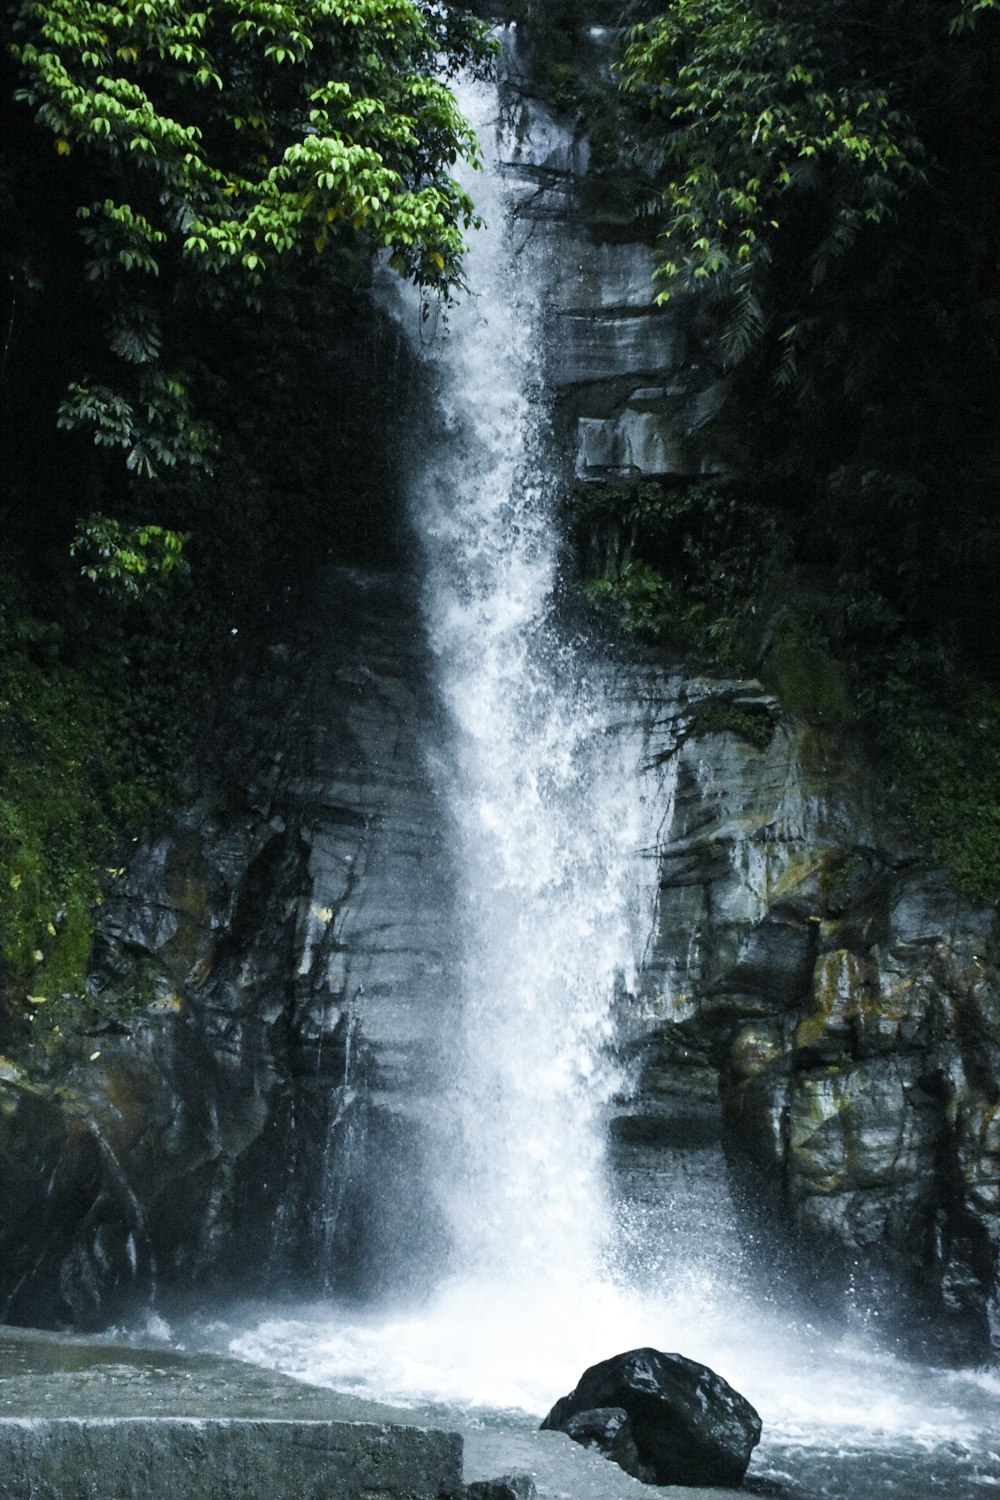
243	133
157	429
648	603
158	162
817	174
765	126
130	560
192	201
816	171
755	727
968	13
92	719
680	564
943	732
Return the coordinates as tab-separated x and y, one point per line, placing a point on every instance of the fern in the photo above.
744	329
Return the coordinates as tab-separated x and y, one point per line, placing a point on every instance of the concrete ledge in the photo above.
193	1458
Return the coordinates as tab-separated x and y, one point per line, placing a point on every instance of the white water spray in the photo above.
539	769
544	796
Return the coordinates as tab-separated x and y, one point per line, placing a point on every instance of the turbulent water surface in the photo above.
550	815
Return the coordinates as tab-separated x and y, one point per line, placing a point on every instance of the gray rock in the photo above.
278	955
151	1423
135	1458
808	946
599	346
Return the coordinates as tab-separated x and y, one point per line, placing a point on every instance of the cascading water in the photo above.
549	819
545	803
539	772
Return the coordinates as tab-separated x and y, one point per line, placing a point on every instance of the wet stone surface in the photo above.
84	1420
93	1419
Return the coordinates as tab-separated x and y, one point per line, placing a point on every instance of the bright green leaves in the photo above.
329	91
763	122
155	428
754	116
786	142
126	561
210	149
120	239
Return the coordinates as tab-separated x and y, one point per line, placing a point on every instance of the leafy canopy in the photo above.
240	132
769	129
828	172
209	154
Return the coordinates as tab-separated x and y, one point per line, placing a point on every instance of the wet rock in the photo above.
267	977
608	1430
82	1418
167	1459
808	947
515	1486
688	1425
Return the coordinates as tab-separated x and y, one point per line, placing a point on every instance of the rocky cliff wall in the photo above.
272	969
817	998
812	957
246	1106
632	385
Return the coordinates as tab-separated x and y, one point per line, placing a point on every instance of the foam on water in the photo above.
493	1353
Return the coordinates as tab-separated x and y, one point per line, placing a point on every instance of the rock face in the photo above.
633	385
688	1425
276	959
810	956
819	1007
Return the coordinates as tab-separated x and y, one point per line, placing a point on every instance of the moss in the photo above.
755	726
807	677
698	569
944	742
841	880
563	84
93	722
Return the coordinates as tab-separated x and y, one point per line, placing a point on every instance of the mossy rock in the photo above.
753	725
810	682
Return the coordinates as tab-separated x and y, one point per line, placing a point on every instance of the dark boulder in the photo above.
607	1429
515	1486
688	1425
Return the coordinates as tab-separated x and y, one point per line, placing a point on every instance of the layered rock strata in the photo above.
819	1006
810	954
249	1099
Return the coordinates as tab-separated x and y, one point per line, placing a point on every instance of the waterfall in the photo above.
549	812
538	768
542	789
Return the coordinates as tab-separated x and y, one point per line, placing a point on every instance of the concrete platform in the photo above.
91	1420
94	1419
222	1458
